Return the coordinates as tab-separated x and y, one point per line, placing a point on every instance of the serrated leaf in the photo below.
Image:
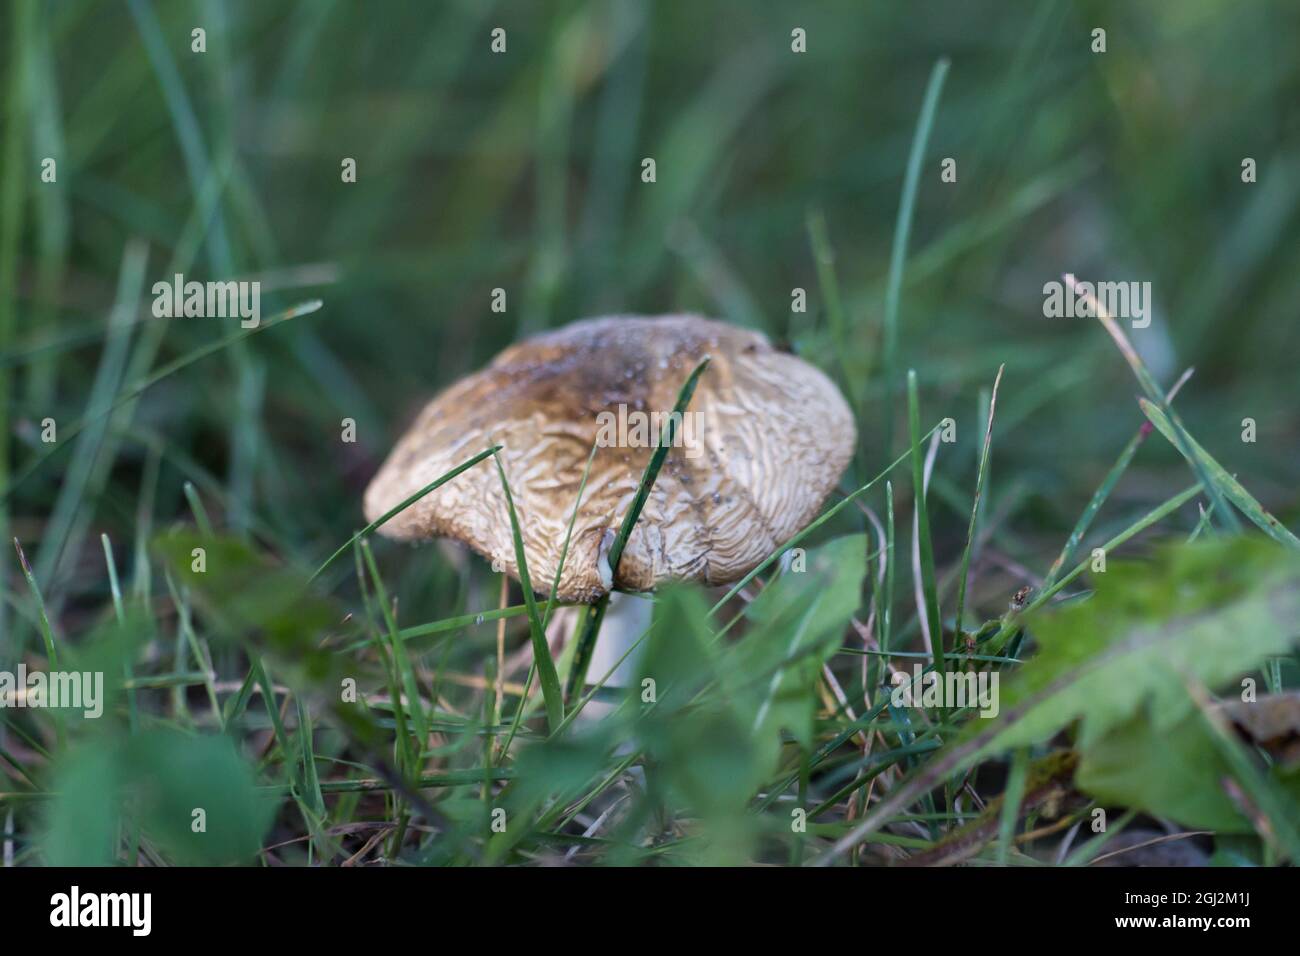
1210	611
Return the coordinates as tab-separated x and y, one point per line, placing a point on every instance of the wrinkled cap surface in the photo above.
765	438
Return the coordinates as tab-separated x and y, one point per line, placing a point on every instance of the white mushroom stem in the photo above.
626	618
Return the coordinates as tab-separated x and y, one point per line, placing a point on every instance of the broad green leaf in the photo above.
698	733
1175	774
1209	610
162	778
712	735
799	620
81	821
173	776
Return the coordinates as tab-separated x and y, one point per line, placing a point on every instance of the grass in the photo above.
542	661
403	708
922	527
391	512
981	475
902	232
590	632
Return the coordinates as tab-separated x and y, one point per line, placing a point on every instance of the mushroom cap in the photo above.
765	438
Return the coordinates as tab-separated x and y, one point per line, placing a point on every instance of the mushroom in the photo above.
764	439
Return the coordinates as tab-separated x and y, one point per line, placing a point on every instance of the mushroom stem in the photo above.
626	618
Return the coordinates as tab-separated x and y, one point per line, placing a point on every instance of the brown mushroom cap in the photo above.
772	437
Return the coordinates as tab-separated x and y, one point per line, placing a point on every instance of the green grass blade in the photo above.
902	232
185	633
311	779
401	660
975	505
568	534
1178	434
651	472
551	693
1229	487
196	508
128	673
393	512
76	481
13	204
51	652
586	646
404	749
1104	490
824	259
926	546
591	628
453	624
1089	850
171	368
887	605
550	606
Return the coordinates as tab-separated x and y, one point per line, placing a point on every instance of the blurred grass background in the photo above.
521	171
